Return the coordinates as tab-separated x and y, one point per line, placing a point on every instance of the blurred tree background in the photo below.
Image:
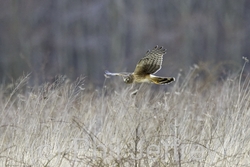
86	37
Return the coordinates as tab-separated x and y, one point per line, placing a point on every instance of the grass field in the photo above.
191	122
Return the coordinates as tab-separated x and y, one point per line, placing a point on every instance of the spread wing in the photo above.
111	73
108	74
151	63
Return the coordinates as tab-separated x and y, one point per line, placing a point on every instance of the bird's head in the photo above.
128	78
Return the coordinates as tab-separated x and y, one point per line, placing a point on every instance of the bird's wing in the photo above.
108	74
111	74
151	63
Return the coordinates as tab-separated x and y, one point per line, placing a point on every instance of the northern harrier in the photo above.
145	69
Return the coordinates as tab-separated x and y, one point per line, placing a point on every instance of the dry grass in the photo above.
62	124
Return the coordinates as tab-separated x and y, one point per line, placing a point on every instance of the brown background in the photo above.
86	37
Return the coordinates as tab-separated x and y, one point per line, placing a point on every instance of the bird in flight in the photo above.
145	69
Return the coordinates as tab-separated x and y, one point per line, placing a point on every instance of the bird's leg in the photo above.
134	92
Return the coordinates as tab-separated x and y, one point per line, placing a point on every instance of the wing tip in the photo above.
160	48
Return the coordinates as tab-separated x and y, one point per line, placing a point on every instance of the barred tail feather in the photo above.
162	80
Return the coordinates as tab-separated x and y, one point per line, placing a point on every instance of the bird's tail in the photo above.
162	80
